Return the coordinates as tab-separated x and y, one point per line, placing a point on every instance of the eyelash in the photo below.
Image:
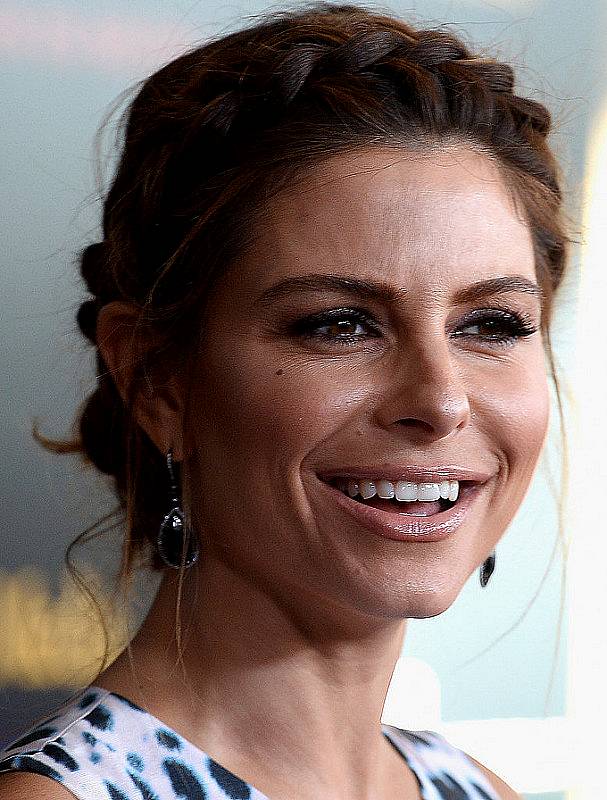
517	325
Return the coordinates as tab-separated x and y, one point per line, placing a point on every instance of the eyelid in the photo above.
337	312
515	326
504	310
373	318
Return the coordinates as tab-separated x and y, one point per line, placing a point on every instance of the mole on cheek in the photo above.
278	372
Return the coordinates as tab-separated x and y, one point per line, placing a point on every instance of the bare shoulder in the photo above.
27	785
503	791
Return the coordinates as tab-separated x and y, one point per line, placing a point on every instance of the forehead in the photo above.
410	217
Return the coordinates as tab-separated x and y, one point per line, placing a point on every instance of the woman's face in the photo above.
414	381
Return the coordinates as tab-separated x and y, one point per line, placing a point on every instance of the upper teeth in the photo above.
402	490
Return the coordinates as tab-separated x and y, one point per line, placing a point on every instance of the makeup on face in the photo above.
386	322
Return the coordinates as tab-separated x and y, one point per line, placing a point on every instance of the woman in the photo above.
320	308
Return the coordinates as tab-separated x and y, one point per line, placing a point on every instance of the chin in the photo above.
429	604
411	603
424	609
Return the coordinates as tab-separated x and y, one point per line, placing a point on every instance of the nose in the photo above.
428	393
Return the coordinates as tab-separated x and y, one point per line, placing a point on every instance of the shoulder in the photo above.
26	785
503	791
50	760
445	762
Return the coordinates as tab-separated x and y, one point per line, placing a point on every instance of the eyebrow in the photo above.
383	292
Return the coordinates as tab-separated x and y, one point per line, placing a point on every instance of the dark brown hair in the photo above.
209	140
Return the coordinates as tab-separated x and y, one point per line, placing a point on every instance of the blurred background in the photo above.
513	673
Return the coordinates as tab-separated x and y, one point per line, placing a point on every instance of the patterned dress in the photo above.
101	746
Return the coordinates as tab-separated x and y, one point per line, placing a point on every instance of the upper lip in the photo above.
410	472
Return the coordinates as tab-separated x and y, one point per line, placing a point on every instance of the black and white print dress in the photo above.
101	746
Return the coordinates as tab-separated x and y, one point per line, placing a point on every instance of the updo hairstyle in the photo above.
212	137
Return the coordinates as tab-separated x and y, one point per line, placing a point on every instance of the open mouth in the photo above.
401	520
417	508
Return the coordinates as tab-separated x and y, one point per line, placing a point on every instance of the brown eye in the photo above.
501	327
343	326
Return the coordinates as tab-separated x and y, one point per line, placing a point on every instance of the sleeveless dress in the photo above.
101	746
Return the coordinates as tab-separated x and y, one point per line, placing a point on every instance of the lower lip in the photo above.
415	529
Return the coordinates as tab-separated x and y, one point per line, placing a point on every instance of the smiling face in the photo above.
421	379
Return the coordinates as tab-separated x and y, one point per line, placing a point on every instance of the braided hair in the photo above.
211	136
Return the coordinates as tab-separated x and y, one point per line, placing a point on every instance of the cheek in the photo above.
519	417
261	406
258	415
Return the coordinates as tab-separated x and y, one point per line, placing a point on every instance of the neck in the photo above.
263	683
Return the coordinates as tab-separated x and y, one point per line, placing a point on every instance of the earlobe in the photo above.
157	406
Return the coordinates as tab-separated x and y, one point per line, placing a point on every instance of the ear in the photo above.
159	401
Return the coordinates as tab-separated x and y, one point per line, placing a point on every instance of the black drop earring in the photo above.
486	570
174	528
